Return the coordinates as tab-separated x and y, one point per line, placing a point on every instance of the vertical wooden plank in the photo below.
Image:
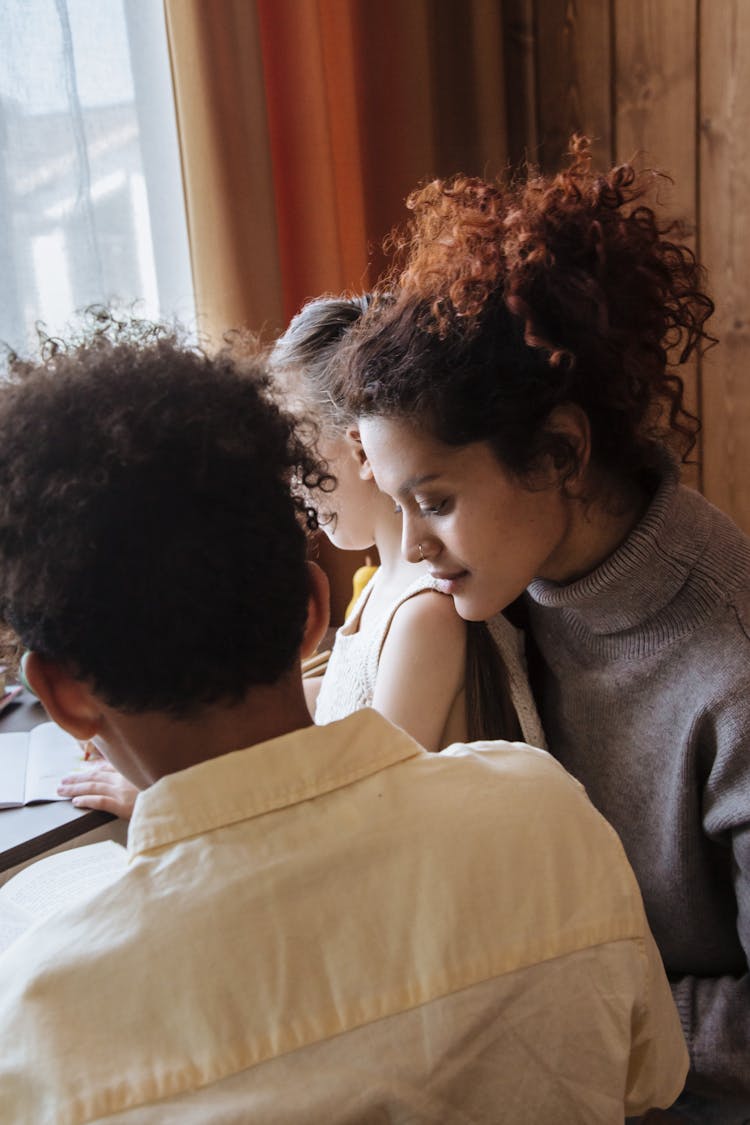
655	91
519	50
655	116
453	92
468	87
725	239
575	70
490	108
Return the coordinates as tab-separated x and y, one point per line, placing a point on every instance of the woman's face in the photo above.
484	534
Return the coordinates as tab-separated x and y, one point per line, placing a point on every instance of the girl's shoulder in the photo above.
382	604
420	662
423	582
423	602
422	618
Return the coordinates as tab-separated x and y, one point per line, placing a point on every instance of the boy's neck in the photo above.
150	745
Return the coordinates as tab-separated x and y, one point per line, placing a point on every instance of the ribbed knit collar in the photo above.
639	586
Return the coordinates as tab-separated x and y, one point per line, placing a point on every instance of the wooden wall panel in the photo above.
665	83
574	66
520	80
655	119
490	86
655	92
725	249
469	109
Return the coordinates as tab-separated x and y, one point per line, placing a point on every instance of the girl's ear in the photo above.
355	443
67	701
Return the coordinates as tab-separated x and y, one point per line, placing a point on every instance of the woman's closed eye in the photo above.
438	508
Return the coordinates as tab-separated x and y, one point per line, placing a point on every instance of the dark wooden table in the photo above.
34	829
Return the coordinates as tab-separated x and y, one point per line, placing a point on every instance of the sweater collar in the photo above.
641	580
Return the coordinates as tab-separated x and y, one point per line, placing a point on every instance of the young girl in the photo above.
519	399
403	648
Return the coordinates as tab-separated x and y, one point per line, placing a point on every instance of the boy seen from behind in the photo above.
316	924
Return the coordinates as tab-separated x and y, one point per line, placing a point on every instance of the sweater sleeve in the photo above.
715	1011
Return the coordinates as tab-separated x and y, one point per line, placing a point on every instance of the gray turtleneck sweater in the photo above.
644	693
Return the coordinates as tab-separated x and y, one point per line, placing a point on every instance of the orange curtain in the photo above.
303	125
217	74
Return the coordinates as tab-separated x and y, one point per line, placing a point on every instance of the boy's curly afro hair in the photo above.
150	537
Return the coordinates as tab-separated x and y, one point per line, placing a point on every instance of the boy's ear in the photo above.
355	443
67	701
318	610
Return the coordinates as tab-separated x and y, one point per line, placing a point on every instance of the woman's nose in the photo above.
411	546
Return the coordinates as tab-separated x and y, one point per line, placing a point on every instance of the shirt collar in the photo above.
270	775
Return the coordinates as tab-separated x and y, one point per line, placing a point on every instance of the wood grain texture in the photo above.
724	238
655	92
490	86
574	64
519	60
656	82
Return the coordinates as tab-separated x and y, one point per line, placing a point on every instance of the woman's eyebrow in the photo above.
409	485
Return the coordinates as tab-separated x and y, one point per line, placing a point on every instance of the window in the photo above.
91	203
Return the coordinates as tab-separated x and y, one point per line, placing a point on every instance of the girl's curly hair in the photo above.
151	538
548	290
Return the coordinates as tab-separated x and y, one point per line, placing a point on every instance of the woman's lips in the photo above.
449	583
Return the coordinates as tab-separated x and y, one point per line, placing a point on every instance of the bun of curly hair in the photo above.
544	291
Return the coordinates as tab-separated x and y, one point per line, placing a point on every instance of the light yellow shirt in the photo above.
337	927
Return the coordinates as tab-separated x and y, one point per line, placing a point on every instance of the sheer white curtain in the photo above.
91	202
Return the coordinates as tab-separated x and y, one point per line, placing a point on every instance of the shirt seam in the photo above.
632	931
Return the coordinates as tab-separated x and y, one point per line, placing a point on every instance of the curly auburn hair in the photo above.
508	301
149	537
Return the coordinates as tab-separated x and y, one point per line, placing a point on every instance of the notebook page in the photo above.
14	749
52	754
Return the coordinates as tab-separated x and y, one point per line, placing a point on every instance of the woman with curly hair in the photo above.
519	396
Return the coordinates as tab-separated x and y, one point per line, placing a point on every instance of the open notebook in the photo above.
33	762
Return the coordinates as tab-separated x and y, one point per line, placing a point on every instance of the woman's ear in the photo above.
355	443
318	610
571	421
67	701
